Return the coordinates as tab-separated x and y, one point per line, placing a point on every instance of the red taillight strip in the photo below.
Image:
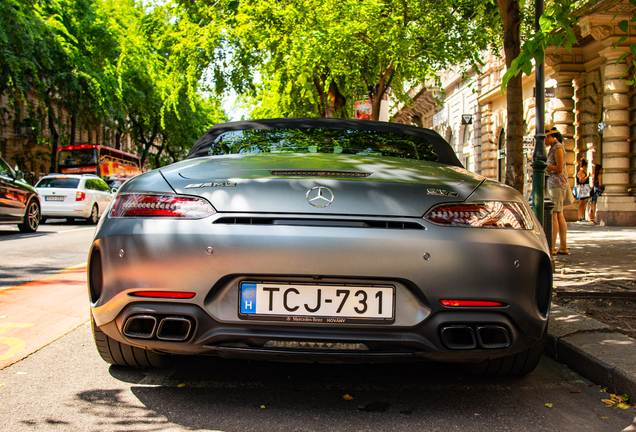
161	205
470	303
164	294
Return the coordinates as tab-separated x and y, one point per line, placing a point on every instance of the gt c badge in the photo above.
319	196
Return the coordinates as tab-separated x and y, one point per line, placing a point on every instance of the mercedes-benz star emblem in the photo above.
319	196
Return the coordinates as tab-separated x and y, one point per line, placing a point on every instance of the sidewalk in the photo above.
594	306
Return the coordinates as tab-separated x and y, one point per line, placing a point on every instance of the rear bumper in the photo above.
462	264
80	210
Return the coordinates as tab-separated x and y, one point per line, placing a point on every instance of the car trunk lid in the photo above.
321	184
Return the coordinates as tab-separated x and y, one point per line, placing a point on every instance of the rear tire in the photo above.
31	218
94	217
513	365
120	354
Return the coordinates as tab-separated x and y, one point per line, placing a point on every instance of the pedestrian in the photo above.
558	188
597	190
582	180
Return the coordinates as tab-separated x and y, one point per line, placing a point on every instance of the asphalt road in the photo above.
66	386
56	245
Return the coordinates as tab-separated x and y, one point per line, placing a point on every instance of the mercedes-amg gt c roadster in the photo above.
322	240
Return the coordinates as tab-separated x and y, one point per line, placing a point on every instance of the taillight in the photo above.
80	196
487	214
470	303
161	205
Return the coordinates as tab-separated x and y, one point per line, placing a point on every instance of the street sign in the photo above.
467	119
550	92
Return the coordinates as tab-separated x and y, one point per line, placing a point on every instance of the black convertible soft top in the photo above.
444	151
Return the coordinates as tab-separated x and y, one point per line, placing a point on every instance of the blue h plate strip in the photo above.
248	298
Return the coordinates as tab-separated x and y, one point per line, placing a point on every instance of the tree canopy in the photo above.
117	64
316	57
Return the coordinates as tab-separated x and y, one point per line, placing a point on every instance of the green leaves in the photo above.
112	64
300	47
556	31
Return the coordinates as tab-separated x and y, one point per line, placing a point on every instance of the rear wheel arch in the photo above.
32	216
121	354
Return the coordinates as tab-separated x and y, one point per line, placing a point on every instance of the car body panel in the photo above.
373	233
69	207
15	194
393	187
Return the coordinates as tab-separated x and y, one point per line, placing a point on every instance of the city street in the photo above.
66	386
56	245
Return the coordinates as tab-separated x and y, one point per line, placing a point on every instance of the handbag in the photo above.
582	191
568	198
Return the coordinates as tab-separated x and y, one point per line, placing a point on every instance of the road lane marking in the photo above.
15	344
52	306
71	268
76	229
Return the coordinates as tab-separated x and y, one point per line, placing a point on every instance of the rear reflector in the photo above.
164	294
470	303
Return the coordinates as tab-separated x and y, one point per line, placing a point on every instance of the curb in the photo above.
588	347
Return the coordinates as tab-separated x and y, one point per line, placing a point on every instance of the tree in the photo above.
511	18
556	29
111	63
313	55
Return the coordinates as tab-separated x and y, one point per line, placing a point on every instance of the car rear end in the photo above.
63	196
324	254
246	279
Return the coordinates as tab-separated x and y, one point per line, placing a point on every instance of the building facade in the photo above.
25	136
588	99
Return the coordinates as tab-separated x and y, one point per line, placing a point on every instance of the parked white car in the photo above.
73	196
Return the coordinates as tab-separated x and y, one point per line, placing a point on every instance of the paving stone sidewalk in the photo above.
602	260
602	266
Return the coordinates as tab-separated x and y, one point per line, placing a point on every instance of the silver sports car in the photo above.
320	240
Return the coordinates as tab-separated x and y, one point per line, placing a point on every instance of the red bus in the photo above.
97	159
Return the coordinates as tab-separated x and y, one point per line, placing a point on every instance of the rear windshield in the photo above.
64	183
351	142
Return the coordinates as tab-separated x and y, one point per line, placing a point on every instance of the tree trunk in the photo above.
511	16
322	105
336	99
55	136
73	129
118	135
378	92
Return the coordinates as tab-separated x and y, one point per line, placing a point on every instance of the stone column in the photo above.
632	123
564	117
488	145
615	206
616	134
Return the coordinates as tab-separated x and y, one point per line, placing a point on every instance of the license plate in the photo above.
326	304
54	198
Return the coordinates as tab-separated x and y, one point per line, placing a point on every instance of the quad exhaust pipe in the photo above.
169	328
466	336
174	329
